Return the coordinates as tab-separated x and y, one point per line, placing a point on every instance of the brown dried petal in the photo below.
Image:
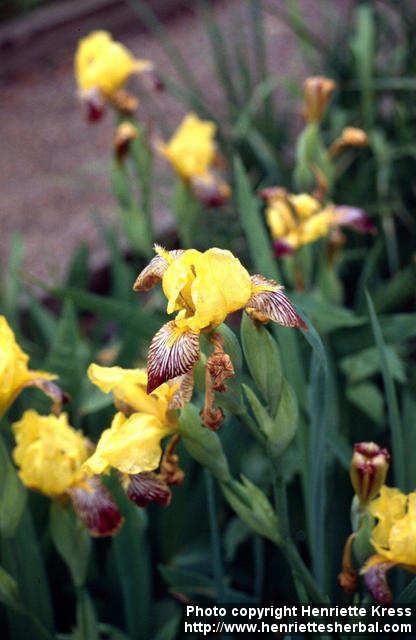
95	507
171	354
272	305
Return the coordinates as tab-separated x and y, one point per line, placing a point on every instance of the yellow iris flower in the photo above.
192	149
133	442
193	153
15	374
298	220
204	287
49	453
393	538
103	64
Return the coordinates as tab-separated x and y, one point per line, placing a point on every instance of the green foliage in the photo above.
296	404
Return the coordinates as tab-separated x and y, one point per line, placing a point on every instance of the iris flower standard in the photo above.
132	445
50	455
204	288
193	154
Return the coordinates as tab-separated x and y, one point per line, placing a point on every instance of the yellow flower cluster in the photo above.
49	453
104	64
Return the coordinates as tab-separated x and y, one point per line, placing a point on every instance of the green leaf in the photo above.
236	533
133	563
326	316
391	399
87	623
366	363
72	541
12	495
11	286
231	346
169	630
285	423
9	592
408	595
67	356
253	507
363	46
189	582
263	360
220	56
368	398
22	559
202	444
263	419
78	270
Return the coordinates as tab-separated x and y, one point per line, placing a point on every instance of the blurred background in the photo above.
54	170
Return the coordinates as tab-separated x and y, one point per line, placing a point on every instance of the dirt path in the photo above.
54	166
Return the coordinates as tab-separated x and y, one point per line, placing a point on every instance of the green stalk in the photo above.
217	566
187	210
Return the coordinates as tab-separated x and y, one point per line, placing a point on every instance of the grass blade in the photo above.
391	399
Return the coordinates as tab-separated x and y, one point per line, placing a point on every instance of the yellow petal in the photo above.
221	285
129	387
101	62
49	452
131	445
177	281
192	148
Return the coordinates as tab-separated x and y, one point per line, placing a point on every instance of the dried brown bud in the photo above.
124	102
123	137
354	137
369	466
350	137
220	368
317	92
170	472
